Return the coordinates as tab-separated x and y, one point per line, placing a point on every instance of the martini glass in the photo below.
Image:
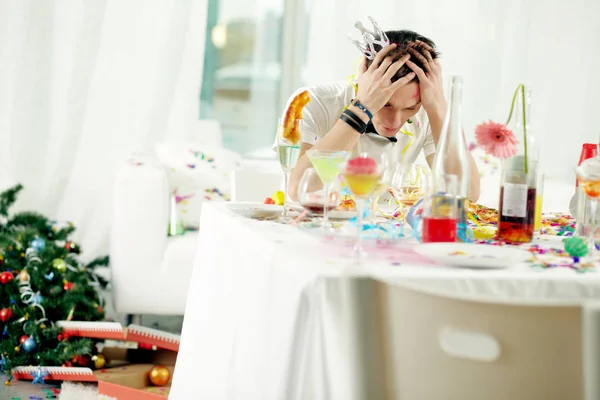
327	164
362	175
589	180
288	155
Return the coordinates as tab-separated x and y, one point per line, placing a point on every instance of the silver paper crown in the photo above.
369	39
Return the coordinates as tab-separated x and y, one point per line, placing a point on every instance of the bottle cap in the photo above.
588	150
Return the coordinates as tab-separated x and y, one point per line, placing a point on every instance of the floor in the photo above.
24	390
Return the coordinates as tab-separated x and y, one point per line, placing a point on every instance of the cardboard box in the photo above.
126	374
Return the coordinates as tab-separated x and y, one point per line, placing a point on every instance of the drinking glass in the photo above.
362	175
288	155
312	196
327	164
410	189
589	180
380	189
539	196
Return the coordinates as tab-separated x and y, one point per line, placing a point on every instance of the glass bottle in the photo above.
579	205
450	164
519	176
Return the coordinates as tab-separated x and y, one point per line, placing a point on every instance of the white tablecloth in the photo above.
263	316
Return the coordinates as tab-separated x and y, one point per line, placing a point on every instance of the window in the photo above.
243	85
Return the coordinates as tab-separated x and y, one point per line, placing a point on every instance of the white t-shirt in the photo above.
328	101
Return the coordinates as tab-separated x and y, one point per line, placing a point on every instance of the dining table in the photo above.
265	310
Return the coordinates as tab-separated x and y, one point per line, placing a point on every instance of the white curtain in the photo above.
83	84
495	45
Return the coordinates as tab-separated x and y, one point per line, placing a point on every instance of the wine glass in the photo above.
362	175
411	188
380	189
312	196
327	164
288	155
589	180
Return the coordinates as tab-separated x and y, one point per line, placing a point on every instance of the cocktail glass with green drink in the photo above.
327	164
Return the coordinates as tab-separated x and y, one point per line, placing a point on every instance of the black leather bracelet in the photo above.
362	108
355	117
360	129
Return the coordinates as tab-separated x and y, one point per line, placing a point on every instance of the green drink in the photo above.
328	165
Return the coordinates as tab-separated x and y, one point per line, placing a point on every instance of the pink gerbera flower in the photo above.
496	139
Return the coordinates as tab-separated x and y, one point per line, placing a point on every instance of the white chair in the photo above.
417	346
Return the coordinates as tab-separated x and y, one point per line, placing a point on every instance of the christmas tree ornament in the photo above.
49	276
24	276
159	375
29	345
60	265
39	375
1	260
38	244
6	314
72	247
67	286
99	361
67	364
23	339
37	298
83	360
6	277
17	349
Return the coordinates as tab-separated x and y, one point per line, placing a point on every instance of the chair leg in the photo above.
134	319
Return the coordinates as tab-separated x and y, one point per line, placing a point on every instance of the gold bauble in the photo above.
17	349
60	265
159	375
23	276
99	361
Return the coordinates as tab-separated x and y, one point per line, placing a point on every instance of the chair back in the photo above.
431	347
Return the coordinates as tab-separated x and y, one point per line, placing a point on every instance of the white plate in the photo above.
256	210
334	214
470	255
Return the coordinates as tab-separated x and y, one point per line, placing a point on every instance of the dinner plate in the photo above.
333	214
256	210
476	256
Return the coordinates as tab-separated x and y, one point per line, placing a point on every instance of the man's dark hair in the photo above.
402	39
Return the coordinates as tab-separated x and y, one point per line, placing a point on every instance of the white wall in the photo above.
551	45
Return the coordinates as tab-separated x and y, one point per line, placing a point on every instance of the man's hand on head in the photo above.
430	78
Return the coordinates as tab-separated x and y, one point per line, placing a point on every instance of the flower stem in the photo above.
521	87
524	126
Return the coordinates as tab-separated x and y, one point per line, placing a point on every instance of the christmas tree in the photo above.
42	281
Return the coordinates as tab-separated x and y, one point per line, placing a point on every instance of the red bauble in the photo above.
6	314
23	338
6	277
68	286
67	364
82	360
60	337
72	247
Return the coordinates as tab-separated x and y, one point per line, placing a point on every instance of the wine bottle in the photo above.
450	175
519	177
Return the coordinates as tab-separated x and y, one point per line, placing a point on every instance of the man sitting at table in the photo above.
399	95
